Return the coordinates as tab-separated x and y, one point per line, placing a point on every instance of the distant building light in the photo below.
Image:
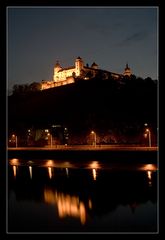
56	126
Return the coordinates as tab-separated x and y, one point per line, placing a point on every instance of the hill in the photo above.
103	105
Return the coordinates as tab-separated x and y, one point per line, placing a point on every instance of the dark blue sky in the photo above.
111	36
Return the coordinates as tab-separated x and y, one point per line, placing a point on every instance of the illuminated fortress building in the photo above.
63	76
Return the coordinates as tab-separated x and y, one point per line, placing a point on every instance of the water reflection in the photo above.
50	163
94	165
148	167
94	174
67	205
14	161
90	204
15	171
120	198
30	171
50	172
149	175
83	164
67	172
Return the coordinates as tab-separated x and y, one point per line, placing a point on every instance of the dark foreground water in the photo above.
66	196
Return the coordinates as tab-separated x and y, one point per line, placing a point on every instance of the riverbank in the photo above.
110	153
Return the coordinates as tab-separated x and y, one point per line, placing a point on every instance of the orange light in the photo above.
30	171
94	164
145	135
14	161
90	203
15	171
67	172
149	167
50	172
49	163
67	205
149	174
94	174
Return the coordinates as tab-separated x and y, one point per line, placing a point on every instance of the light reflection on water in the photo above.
30	171
94	174
15	171
83	192
86	165
94	165
67	205
50	172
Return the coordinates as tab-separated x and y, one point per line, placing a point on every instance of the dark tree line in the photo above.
19	89
116	109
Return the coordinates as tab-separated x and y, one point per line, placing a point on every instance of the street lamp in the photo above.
148	132
93	133
149	136
51	139
16	143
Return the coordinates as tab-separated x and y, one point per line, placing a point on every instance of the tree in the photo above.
35	87
20	89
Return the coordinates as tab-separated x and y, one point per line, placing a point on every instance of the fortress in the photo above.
63	76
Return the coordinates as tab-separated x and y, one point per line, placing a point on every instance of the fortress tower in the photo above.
127	71
57	68
79	64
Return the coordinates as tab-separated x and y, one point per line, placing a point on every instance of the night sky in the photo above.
111	36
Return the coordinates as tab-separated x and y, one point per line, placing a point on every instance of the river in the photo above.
93	196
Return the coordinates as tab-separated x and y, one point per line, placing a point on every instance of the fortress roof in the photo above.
57	64
94	65
67	68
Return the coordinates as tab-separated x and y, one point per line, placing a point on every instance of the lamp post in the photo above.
16	142
93	133
148	132
51	139
149	136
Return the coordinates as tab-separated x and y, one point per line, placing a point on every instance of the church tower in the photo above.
57	68
127	71
79	64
